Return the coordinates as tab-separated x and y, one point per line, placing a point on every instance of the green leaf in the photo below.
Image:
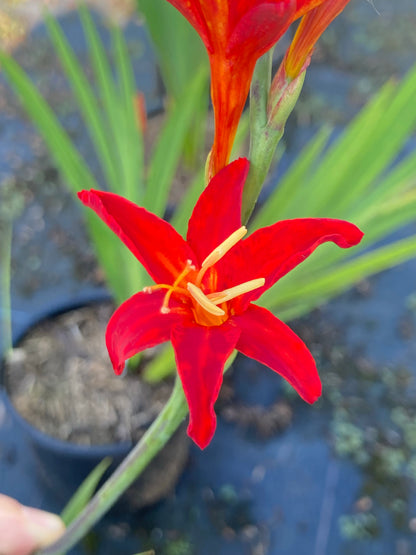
168	150
131	139
86	99
161	366
280	203
84	493
180	54
179	50
314	290
6	343
400	178
337	168
184	210
68	159
75	171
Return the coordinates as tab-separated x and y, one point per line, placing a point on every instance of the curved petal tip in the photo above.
202	434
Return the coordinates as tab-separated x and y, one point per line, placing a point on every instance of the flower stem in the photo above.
5	305
259	94
269	111
136	461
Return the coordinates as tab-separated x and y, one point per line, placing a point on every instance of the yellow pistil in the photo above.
220	251
232	292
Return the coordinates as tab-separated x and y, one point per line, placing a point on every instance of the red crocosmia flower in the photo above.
205	287
311	27
236	33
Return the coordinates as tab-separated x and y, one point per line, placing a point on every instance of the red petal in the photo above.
218	211
259	28
271	252
201	353
228	99
154	242
268	340
304	6
192	11
137	325
311	27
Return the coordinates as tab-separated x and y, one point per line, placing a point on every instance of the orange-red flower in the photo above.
205	287
236	33
311	27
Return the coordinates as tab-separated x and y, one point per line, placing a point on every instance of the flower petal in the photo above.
137	325
304	6
259	28
193	12
229	96
201	353
309	30
271	252
217	213
154	242
271	342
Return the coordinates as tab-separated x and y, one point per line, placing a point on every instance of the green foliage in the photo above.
11	205
108	110
180	55
84	493
179	50
353	178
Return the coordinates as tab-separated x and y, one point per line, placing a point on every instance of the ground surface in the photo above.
18	17
340	479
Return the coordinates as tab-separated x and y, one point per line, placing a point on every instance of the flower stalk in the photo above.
270	108
5	280
136	461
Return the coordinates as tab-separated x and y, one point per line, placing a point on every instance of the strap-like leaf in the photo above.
84	493
169	148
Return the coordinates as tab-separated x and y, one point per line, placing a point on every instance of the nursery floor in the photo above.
280	477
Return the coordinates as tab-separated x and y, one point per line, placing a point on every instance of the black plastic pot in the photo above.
61	466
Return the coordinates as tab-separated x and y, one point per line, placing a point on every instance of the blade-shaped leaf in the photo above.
342	276
168	150
84	493
131	140
86	99
280	203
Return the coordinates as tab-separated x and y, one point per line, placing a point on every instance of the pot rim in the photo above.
43	439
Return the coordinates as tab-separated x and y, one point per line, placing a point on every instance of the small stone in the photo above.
364	504
412	525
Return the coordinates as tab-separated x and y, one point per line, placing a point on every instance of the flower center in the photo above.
206	306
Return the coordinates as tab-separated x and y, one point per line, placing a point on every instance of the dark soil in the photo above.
61	380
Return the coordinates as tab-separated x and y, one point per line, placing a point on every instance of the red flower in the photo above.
311	27
236	33
205	287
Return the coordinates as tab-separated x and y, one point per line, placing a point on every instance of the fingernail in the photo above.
44	527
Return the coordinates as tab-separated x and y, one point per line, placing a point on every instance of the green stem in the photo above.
136	461
267	126
5	280
259	94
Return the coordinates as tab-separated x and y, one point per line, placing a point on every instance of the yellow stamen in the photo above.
204	301
220	251
171	288
232	292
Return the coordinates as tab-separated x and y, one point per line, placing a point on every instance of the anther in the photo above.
204	301
224	247
171	288
220	251
232	292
